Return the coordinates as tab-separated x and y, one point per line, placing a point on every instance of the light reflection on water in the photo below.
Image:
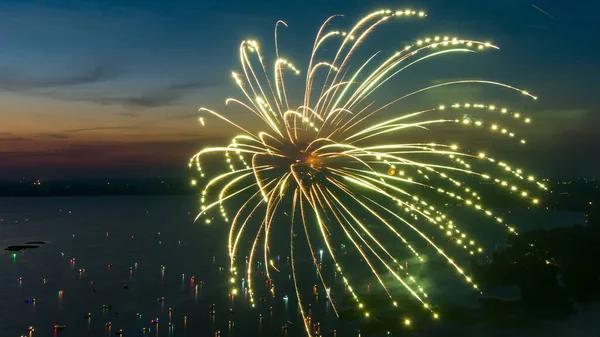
130	253
136	251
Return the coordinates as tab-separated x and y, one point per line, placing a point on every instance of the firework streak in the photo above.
331	164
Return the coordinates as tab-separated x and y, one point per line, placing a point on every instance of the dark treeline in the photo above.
550	274
551	267
157	186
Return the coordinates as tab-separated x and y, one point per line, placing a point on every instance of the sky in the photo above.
112	87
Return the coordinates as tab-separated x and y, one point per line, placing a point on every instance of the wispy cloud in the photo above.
6	137
13	80
172	118
56	135
98	128
159	97
107	152
64	134
130	114
14	139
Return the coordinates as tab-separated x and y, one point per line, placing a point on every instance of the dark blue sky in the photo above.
90	87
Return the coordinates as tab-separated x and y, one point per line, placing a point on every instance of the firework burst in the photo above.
330	167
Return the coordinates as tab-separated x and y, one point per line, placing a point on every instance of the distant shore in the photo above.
97	188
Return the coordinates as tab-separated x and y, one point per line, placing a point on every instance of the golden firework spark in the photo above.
328	155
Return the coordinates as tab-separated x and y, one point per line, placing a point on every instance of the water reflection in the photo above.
143	266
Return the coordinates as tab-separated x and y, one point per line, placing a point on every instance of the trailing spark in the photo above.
335	160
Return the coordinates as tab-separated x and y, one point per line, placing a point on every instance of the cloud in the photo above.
14	139
64	134
98	128
56	135
10	137
129	114
165	96
12	80
108	153
172	118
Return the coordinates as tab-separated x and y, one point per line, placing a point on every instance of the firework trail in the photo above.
326	164
543	11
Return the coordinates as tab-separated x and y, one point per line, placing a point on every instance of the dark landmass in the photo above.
554	271
573	195
105	187
26	245
553	268
18	248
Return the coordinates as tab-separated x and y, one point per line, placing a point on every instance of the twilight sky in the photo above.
112	87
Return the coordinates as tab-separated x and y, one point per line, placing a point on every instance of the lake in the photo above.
140	263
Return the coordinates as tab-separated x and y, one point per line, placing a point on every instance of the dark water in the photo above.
122	232
98	239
